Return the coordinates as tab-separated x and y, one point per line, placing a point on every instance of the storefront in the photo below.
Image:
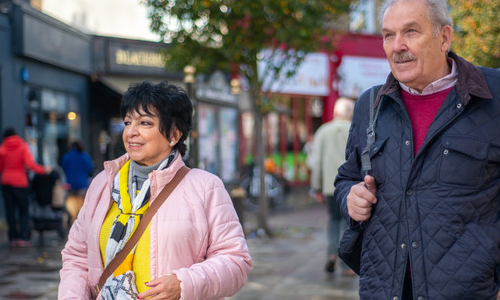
304	102
298	111
117	63
358	63
44	67
217	126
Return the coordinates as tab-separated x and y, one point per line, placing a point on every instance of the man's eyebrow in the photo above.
404	26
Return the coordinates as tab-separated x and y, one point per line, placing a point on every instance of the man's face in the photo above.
417	56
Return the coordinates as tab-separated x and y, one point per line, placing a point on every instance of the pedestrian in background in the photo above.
15	159
77	167
194	247
430	207
328	153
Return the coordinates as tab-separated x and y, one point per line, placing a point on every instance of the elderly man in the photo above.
430	207
328	154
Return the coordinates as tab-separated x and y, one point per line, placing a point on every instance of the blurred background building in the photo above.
64	66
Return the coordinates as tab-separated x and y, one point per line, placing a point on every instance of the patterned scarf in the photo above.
121	284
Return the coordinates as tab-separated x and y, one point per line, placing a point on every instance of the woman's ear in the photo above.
175	135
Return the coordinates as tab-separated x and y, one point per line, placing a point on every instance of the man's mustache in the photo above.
403	56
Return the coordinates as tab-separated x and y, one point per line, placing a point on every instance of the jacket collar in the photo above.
158	179
470	82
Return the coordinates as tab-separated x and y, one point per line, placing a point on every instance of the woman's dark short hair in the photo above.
169	102
10	131
78	146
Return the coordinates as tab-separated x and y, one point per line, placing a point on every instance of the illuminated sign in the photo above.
139	58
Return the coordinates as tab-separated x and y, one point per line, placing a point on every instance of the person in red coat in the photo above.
15	159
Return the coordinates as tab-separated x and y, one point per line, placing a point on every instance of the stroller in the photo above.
48	211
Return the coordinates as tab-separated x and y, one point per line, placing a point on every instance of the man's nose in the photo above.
400	43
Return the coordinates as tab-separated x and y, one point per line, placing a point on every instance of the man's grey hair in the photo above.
343	108
437	10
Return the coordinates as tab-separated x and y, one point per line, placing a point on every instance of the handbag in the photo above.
155	205
350	248
351	242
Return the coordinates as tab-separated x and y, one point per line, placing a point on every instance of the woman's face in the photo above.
143	140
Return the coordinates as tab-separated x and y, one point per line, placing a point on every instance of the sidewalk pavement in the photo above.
289	266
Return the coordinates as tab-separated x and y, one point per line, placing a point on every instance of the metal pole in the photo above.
189	79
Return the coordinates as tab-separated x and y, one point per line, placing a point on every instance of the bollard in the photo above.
238	194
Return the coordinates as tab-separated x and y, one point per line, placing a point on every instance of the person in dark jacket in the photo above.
430	207
15	159
77	167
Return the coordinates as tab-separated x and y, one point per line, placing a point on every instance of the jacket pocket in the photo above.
378	160
467	270
462	161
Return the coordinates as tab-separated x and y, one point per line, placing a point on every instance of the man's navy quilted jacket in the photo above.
440	208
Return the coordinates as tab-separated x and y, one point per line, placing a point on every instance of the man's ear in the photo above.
446	37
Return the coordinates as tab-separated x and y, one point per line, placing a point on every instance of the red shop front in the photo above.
306	101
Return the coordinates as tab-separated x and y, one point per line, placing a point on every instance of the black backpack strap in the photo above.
370	132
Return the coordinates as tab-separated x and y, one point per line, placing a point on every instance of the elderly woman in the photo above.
194	247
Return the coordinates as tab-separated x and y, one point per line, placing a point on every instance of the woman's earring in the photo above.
172	143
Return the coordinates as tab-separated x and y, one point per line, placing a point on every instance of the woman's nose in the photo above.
131	129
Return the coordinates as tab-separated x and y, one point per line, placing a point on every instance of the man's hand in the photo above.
361	199
319	197
166	287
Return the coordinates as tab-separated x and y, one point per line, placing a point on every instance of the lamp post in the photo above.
235	86
189	80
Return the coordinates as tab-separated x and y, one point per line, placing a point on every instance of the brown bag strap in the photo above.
115	262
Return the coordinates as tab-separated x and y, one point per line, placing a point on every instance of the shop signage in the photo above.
133	57
311	77
215	89
357	74
41	38
139	58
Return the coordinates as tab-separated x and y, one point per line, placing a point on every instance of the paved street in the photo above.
289	266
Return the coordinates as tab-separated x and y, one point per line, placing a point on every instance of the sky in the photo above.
118	18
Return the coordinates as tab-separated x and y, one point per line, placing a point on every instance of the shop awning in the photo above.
120	84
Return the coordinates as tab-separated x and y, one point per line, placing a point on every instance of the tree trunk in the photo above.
262	202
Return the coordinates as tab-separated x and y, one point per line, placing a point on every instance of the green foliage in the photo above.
231	33
477	31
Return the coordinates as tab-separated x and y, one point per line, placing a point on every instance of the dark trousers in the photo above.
17	212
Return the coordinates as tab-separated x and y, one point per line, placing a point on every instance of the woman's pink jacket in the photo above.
196	235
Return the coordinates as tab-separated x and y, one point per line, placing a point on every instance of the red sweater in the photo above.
422	109
15	157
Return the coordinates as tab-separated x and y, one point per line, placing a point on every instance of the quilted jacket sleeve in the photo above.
228	263
74	282
349	172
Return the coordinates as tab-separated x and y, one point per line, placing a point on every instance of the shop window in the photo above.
53	121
